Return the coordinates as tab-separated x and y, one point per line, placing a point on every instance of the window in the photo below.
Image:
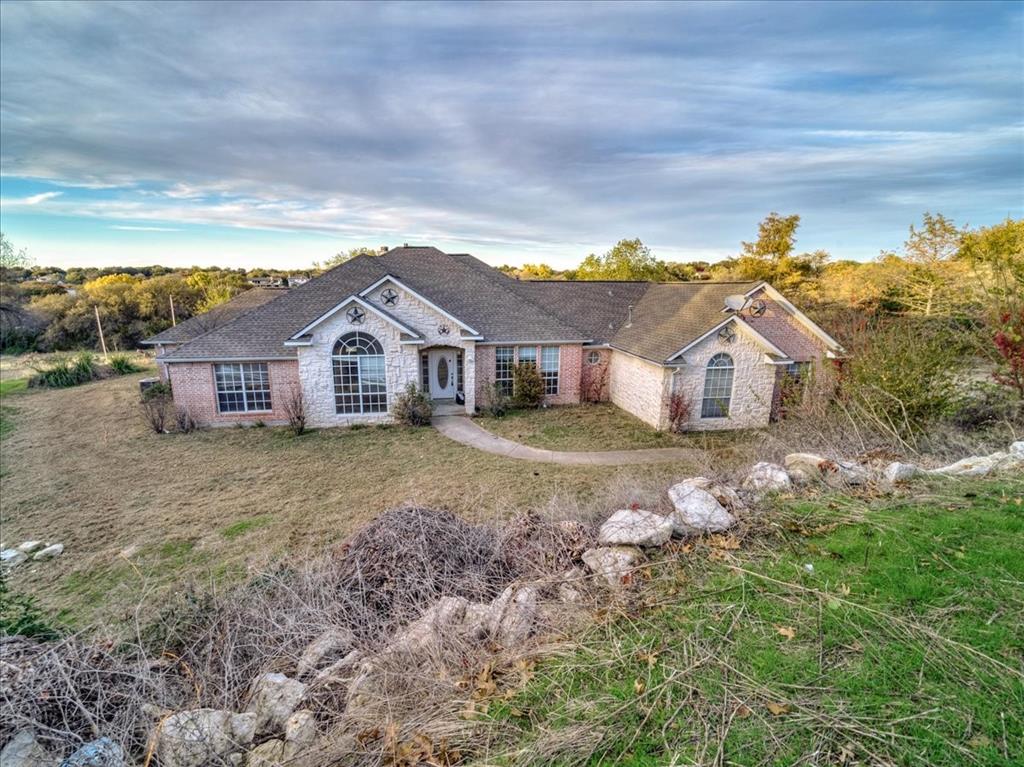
424	372
593	358
527	355
717	387
504	359
549	368
359	381
242	388
458	370
797	370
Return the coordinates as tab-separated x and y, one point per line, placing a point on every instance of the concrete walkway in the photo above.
464	430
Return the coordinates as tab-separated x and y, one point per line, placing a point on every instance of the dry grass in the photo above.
144	512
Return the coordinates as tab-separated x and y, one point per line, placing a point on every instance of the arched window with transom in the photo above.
717	387
359	377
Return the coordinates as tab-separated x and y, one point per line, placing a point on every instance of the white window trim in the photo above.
732	388
359	377
245	392
557	371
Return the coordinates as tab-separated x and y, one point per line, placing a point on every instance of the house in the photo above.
351	340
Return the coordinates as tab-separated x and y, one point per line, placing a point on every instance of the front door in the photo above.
442	374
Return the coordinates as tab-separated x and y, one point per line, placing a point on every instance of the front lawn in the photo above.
855	635
143	513
600	426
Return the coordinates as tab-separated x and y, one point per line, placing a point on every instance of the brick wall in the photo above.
570	364
594	376
786	331
194	388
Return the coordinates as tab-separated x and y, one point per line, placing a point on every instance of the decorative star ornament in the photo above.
443	330
389	297
356	315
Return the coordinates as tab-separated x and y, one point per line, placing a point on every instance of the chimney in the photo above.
384	248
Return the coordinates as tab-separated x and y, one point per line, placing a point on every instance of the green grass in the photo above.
243	526
907	648
8	388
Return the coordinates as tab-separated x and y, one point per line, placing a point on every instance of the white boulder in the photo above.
204	736
10	558
267	754
765	477
975	466
50	552
445	615
900	472
1017	450
31	547
512	615
722	493
613	563
332	645
299	731
23	750
697	511
804	468
635	528
102	752
275	698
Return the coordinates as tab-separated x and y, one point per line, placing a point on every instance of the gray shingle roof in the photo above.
195	326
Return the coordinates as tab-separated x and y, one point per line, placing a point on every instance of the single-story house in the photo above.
352	339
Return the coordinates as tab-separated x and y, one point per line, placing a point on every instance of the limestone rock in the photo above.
275	697
268	754
766	477
23	750
340	669
299	731
31	547
697	511
1017	450
976	466
635	528
804	468
569	586
204	736
11	558
613	563
50	552
102	752
721	492
900	472
445	615
512	615
330	646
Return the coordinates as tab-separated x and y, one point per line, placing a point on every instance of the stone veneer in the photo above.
752	388
639	387
194	388
401	360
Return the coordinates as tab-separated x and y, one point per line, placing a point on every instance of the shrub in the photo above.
123	365
155	404
412	407
64	371
183	420
679	410
527	385
20	615
983	406
1009	342
496	401
295	411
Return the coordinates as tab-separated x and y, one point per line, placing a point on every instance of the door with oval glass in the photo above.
442	374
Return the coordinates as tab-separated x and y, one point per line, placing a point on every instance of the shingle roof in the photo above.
220	315
457	284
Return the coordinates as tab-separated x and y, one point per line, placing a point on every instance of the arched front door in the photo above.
442	373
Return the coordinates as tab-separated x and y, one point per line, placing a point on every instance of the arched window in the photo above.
717	387
359	380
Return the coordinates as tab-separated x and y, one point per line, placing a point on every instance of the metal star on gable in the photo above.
389	297
356	315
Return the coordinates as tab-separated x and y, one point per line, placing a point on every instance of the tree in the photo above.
11	258
342	256
996	253
928	280
215	287
628	260
770	257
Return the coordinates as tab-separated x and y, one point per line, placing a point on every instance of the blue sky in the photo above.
275	135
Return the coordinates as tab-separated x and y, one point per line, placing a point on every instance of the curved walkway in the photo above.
462	429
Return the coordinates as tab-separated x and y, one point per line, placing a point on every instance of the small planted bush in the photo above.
64	371
156	405
21	615
497	402
527	385
412	407
122	365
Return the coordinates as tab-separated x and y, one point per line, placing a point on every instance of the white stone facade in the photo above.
401	360
752	388
639	387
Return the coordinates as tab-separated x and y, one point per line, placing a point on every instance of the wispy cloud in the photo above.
33	199
145	228
536	128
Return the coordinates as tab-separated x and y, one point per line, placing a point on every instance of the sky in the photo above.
274	135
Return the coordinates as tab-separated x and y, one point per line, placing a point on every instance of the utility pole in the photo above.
173	321
103	343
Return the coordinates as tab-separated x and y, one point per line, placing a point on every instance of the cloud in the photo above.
554	127
145	228
34	199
